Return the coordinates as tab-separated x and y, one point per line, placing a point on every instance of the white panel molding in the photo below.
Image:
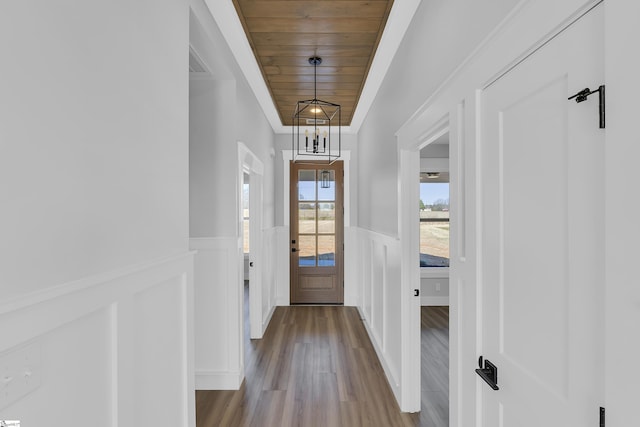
351	288
218	292
382	313
269	275
51	293
33	318
282	296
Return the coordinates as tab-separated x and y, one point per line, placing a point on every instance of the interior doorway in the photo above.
246	249
250	188
435	242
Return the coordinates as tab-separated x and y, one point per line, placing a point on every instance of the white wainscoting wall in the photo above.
219	299
114	349
218	294
269	275
283	249
378	297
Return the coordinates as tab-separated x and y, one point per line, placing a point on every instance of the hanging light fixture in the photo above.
313	120
325	179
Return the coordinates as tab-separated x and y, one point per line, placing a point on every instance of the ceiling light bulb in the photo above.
316	110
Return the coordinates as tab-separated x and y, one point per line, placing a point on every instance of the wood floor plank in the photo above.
315	366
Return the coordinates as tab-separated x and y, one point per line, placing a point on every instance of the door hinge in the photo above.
584	94
602	417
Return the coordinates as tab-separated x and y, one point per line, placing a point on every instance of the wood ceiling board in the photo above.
313	40
308	78
324	51
303	61
316	9
284	34
332	86
313	25
308	70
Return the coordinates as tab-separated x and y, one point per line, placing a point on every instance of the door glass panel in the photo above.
326	185
326	218
306	185
306	218
307	251
326	251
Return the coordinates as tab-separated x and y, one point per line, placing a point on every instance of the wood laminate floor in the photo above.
315	366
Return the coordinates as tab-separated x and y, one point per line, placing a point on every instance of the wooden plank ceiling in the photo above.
284	34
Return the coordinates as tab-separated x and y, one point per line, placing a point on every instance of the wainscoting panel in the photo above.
218	292
282	261
109	350
269	274
378	297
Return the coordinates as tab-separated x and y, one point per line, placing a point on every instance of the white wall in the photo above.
441	35
94	269
224	112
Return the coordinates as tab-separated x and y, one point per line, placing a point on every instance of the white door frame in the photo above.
409	231
250	164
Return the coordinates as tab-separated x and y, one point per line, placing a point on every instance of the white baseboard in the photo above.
218	380
428	300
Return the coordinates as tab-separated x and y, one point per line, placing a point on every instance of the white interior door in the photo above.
542	260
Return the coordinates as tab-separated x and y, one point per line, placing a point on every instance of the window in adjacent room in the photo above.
245	213
434	219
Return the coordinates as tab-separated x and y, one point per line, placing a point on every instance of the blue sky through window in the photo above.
432	191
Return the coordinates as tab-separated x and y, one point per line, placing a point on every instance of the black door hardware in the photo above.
602	417
584	94
294	250
489	373
416	292
251	264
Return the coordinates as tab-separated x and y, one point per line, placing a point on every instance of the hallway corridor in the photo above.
316	366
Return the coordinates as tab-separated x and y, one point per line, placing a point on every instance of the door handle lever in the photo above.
489	373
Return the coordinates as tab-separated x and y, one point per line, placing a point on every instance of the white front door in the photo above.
542	257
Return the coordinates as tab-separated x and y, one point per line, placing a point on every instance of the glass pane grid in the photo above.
316	218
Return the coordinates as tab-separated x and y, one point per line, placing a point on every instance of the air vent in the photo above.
196	65
319	122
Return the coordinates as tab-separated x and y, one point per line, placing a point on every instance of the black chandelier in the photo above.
314	122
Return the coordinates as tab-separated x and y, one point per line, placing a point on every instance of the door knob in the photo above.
251	264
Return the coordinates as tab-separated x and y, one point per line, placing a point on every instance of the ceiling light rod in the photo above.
315	113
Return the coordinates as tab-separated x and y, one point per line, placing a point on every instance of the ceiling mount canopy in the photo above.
315	124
